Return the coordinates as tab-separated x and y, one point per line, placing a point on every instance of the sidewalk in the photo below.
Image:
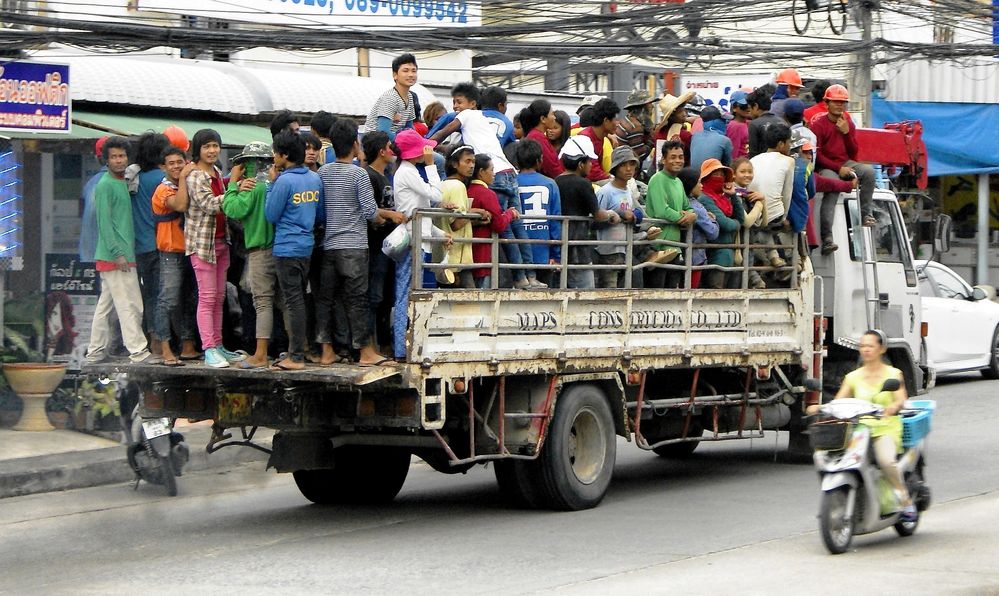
37	462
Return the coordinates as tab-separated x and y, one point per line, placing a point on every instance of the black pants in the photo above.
344	281
147	265
292	276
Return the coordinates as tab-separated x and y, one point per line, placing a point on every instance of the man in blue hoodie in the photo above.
710	143
293	199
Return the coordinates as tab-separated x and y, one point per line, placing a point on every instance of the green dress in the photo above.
888	426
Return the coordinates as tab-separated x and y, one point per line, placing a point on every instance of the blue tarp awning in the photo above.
961	138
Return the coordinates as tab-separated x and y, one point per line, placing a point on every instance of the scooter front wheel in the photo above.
836	528
169	476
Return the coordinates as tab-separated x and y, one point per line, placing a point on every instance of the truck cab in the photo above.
871	282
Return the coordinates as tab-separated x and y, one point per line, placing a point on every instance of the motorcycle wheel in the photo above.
169	478
837	532
914	484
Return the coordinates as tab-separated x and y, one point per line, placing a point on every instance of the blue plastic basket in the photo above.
915	427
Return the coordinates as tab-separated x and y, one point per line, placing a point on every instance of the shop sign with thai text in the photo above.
384	14
34	97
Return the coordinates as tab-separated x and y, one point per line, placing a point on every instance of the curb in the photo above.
96	467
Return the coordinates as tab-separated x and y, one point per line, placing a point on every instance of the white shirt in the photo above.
412	193
773	176
481	135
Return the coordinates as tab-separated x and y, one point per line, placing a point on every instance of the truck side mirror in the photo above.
941	234
891	385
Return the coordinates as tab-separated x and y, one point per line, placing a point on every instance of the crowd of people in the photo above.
299	224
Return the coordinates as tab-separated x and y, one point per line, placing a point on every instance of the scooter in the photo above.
155	452
856	498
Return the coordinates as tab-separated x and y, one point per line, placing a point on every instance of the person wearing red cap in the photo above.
114	258
836	135
88	227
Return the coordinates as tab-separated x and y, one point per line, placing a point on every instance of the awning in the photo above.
960	137
234	134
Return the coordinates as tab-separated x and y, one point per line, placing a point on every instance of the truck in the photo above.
541	383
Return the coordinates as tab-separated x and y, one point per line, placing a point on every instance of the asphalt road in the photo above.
729	519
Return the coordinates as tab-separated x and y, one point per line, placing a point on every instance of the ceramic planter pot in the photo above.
34	383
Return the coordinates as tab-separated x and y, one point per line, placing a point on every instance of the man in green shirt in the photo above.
667	200
244	201
115	260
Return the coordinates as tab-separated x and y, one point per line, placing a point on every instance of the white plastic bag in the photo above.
396	243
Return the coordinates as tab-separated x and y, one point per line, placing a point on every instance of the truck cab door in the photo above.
901	313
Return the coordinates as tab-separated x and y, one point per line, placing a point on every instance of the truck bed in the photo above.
336	374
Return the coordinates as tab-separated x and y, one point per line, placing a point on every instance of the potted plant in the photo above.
97	407
61	407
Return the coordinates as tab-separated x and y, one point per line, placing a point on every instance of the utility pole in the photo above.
860	85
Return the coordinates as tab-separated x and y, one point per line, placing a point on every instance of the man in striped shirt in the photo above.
635	130
349	206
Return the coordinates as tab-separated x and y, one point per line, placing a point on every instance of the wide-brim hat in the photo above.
669	104
254	150
637	99
711	166
411	144
622	155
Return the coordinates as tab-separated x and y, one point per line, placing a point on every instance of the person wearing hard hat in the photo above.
836	135
788	85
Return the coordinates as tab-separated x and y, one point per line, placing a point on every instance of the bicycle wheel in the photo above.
837	16
801	15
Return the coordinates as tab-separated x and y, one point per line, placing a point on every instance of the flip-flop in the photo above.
382	362
172	362
245	365
278	366
193	356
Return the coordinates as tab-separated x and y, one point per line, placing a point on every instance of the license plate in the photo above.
157	427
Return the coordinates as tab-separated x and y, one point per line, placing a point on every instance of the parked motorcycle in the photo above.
155	451
856	498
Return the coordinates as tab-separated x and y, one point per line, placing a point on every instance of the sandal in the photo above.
172	362
383	362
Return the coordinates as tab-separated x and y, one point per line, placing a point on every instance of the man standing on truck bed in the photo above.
115	260
836	155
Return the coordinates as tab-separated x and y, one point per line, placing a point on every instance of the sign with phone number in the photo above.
382	14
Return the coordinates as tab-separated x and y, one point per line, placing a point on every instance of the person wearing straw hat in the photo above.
673	124
716	181
635	129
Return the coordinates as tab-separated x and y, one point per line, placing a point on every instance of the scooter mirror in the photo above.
891	385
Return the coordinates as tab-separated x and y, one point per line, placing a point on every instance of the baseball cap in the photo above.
739	98
794	107
589	101
710	113
578	146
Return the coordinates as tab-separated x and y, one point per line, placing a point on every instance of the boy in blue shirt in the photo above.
293	199
539	196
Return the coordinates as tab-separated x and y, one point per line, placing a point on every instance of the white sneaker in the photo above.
215	359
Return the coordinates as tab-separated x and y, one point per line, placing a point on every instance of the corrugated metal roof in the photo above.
312	89
157	82
143	80
970	81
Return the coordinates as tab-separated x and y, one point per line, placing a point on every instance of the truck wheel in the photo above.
361	475
992	372
516	484
677	450
577	462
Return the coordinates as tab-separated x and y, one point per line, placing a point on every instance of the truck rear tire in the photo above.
577	462
361	475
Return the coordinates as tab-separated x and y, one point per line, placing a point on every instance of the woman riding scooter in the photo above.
865	383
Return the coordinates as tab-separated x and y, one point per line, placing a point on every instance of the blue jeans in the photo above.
508	192
400	315
148	268
174	306
378	268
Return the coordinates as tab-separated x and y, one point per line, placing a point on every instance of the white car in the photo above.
963	332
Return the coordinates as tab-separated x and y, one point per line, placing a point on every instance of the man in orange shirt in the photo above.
175	306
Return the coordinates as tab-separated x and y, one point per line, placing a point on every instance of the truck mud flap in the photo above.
300	451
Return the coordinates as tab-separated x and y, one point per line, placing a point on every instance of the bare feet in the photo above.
288	364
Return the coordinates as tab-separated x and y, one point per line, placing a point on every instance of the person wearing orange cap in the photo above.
836	135
788	85
88	227
717	186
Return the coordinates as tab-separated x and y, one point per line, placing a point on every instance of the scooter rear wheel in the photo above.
836	529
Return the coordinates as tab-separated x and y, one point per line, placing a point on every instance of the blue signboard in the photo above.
34	97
